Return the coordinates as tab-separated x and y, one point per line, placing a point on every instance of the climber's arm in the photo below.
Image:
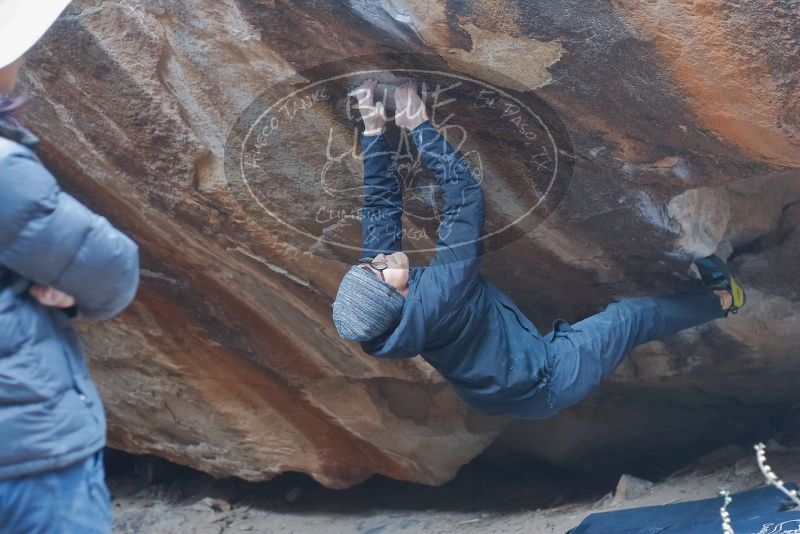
458	247
54	241
381	226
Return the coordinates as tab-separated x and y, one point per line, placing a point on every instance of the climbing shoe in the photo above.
715	275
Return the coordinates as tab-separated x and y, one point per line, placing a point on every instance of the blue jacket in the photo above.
50	413
464	326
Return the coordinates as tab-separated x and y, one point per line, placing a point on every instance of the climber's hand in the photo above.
52	297
372	113
409	108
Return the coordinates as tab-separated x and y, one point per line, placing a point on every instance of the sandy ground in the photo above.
481	499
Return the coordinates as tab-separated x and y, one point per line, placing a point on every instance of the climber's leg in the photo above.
586	353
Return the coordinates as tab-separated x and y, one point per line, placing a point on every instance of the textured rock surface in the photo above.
683	119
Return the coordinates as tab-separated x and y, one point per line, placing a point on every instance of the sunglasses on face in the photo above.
379	266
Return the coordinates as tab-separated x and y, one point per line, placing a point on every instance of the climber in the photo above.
57	259
464	326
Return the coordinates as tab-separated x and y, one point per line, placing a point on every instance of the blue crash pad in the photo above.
753	512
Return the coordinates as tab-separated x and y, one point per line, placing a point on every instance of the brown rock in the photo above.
677	128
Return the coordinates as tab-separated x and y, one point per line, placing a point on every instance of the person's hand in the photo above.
409	108
373	113
52	297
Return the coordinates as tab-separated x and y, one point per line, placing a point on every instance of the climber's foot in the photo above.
372	113
715	275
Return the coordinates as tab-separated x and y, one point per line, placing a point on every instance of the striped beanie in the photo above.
365	306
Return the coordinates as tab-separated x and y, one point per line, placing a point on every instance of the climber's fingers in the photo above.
369	110
404	95
408	103
365	93
380	110
372	112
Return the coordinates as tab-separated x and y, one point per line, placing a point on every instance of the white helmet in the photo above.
22	23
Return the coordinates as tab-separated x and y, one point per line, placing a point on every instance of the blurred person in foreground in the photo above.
57	260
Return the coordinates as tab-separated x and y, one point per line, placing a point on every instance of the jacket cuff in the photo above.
421	125
379	131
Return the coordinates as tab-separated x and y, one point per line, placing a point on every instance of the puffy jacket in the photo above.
50	412
463	325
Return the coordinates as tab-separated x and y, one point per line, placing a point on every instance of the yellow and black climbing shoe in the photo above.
738	296
715	275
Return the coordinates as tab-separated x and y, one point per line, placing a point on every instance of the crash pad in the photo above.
759	511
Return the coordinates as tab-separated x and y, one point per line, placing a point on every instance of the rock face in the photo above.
675	128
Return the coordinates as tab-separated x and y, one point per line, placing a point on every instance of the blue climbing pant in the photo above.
70	500
584	354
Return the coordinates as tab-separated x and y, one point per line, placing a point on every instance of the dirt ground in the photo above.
482	498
